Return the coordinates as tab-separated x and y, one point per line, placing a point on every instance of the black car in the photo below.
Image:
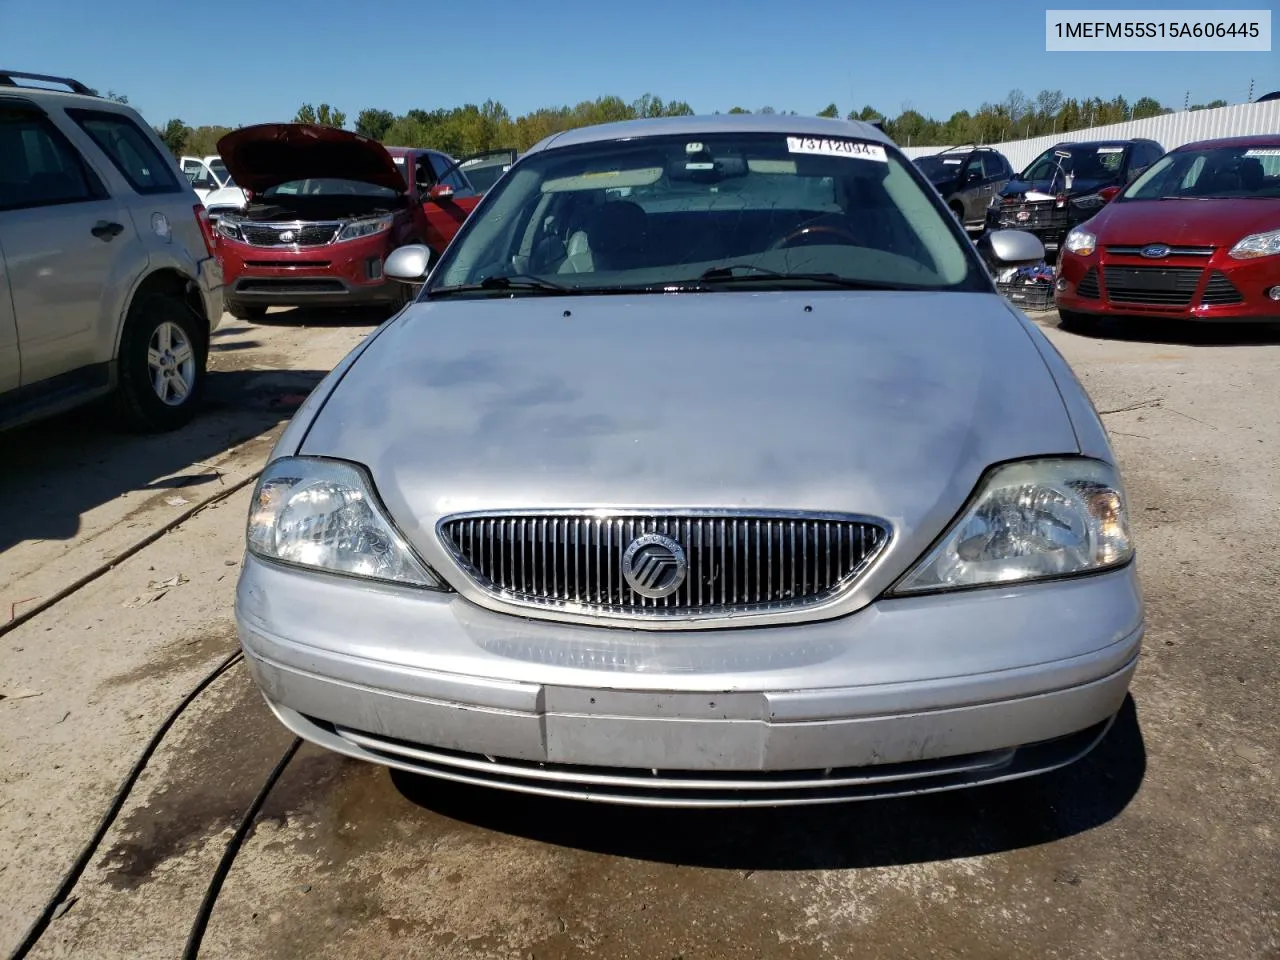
967	178
1068	184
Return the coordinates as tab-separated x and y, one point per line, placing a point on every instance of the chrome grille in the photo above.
304	234
1152	286
1220	292
735	562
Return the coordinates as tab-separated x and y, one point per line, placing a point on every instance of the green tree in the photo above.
678	108
328	116
203	141
174	134
374	123
830	110
306	114
738	110
1147	107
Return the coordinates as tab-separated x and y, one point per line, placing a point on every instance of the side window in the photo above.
424	175
131	150
448	174
38	166
973	167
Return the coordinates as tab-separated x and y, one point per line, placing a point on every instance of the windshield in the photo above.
1226	172
328	187
938	169
1082	162
650	213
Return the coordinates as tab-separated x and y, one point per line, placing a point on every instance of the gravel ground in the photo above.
1163	843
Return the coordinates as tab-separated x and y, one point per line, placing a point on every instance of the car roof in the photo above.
717	123
1256	140
63	98
1122	142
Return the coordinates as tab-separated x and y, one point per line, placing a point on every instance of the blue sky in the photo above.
240	61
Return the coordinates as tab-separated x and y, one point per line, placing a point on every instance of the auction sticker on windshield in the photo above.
837	148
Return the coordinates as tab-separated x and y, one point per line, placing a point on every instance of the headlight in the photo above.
1257	245
1090	202
229	230
324	514
364	228
1081	242
1031	520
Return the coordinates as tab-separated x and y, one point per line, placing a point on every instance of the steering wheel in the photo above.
810	229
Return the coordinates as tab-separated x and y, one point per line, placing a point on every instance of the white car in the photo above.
228	198
205	174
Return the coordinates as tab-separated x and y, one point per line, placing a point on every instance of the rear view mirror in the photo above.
409	264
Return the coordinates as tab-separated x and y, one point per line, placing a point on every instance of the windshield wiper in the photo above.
520	282
729	274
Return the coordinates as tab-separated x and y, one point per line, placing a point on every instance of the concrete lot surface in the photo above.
1164	843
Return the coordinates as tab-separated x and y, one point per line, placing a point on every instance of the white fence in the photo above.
1169	130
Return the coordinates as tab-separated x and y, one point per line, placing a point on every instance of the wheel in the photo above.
957	211
243	311
163	354
1077	322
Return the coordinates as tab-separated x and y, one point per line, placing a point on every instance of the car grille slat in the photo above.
1220	292
1131	251
1088	288
733	563
1152	286
302	234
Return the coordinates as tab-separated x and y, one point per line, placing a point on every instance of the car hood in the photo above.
270	154
883	404
1209	223
1049	189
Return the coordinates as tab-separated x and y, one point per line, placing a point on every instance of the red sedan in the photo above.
325	208
1196	237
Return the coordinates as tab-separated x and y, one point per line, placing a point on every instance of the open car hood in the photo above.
269	154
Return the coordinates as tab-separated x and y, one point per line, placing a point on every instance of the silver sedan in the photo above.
707	469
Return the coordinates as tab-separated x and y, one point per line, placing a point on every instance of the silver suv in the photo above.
108	283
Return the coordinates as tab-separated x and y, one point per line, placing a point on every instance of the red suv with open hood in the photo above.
324	209
1197	237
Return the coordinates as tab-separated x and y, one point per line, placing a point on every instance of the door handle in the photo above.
106	231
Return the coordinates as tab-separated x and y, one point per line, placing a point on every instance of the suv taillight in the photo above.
206	228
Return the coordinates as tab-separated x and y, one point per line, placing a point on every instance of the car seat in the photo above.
1252	176
615	237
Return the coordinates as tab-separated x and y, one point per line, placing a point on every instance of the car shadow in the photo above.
59	469
873	833
1182	333
326	317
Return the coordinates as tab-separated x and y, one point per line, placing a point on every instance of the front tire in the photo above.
1075	322
163	358
244	312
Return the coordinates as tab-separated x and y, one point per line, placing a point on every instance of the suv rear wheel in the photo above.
163	357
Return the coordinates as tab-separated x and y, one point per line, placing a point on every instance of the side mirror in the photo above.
1108	193
441	191
409	264
1011	248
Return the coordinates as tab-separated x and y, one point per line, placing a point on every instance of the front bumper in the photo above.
906	696
1220	278
335	274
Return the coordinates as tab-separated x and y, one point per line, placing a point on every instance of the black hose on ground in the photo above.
201	923
86	854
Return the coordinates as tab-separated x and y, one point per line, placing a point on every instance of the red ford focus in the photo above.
1196	237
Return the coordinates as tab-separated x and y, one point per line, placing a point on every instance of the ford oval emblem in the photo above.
1155	251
